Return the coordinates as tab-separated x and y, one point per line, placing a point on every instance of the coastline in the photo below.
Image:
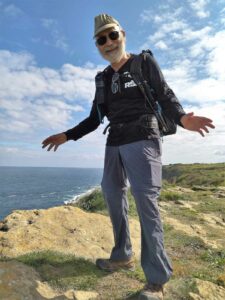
76	198
24	188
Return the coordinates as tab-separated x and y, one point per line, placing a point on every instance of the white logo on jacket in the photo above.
129	84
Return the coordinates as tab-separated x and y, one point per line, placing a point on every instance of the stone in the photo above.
207	290
65	229
21	282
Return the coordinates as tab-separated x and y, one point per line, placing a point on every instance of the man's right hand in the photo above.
54	141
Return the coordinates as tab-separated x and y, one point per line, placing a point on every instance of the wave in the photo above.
76	198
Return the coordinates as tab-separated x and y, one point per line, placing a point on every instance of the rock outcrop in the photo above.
64	228
21	282
207	290
70	230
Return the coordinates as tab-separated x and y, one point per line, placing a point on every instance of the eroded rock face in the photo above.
21	282
207	291
64	228
18	281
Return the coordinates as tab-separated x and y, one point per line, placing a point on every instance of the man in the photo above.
133	151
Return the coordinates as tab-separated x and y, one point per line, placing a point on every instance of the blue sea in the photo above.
41	187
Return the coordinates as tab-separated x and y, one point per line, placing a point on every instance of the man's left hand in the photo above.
196	123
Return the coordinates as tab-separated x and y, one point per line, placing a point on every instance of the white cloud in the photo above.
183	78
216	60
189	35
16	61
222	16
219	153
32	97
11	10
48	23
161	45
209	42
167	28
165	16
196	65
199	7
195	70
190	147
14	125
57	40
65	156
10	149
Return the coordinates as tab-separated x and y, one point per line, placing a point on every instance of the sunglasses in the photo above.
113	35
115	85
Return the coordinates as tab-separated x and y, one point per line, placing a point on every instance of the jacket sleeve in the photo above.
86	126
163	93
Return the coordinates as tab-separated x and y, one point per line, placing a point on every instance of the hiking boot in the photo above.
152	292
112	265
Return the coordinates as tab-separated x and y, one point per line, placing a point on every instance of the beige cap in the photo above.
103	22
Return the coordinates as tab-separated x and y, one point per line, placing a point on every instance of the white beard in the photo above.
116	55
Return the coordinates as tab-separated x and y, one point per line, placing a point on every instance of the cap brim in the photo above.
105	27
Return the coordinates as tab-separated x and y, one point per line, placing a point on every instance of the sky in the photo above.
48	61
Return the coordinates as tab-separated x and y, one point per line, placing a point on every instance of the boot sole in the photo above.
117	269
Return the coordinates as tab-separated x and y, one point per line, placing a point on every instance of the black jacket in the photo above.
163	93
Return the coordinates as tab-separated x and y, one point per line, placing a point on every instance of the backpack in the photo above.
166	125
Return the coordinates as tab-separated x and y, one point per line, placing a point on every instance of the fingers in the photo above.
201	132
210	125
50	142
50	147
46	142
207	120
204	123
205	128
56	147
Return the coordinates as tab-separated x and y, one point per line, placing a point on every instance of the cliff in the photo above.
66	229
50	254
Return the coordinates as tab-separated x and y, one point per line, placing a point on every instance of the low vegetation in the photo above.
192	196
210	175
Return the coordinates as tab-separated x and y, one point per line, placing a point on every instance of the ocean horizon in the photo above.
43	187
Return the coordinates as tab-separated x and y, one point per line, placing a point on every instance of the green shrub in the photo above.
170	196
92	202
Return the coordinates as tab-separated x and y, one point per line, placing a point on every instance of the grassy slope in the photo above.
191	257
195	174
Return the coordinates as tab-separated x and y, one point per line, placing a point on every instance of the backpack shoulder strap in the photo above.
100	85
139	79
146	53
136	69
100	88
100	92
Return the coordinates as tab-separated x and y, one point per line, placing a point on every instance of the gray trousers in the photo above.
140	163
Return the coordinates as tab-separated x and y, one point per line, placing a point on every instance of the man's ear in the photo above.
124	33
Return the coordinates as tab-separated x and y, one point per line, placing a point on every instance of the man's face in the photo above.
112	50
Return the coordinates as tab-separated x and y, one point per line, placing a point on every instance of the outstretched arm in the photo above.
196	123
83	128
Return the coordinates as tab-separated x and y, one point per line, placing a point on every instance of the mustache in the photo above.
110	49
